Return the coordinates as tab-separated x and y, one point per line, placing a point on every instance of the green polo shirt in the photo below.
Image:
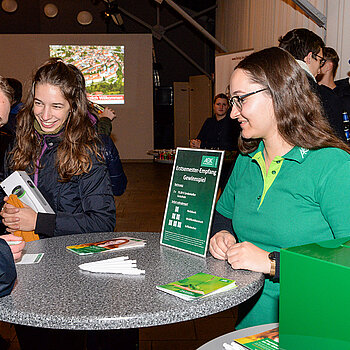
304	198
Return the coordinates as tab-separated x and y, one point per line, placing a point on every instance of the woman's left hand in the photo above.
248	256
15	219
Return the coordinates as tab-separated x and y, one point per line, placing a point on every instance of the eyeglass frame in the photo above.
241	98
322	59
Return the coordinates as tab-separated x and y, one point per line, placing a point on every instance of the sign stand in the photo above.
191	199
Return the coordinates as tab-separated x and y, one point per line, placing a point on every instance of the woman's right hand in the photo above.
195	143
16	219
220	244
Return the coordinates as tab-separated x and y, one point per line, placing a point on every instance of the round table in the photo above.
55	293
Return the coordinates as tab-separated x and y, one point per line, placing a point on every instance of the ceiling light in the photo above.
50	10
9	5
84	18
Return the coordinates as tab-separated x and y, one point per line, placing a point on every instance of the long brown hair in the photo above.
79	140
299	115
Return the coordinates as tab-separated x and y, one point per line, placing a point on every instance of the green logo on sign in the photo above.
210	161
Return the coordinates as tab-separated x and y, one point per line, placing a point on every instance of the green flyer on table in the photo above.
191	199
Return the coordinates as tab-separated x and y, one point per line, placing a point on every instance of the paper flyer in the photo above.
107	246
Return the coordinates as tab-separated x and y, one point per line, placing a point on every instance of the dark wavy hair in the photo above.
79	140
299	42
299	115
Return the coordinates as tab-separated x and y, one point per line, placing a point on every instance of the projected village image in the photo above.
103	69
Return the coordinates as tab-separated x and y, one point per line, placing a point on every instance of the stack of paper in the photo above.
120	265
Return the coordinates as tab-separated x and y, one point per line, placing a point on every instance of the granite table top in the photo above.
55	293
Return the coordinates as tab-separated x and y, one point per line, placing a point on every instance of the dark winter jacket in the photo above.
84	204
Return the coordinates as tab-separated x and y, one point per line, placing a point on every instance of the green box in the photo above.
315	296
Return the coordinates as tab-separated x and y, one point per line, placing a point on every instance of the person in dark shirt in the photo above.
326	78
219	131
307	48
342	89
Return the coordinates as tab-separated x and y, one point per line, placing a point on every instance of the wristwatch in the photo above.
272	258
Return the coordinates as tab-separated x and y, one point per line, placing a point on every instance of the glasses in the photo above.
322	60
238	100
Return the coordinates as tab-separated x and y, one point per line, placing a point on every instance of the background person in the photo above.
329	69
343	91
287	187
307	48
15	106
110	151
326	78
104	125
8	253
6	99
219	131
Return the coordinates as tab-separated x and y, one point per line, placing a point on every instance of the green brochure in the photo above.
268	340
198	286
191	199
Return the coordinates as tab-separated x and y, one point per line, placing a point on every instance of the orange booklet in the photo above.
28	236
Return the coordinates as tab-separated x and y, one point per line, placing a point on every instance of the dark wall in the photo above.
30	19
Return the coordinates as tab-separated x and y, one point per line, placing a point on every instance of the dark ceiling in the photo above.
196	5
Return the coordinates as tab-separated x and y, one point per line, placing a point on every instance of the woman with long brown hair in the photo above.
58	146
290	184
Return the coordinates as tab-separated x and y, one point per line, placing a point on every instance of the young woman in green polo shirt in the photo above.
289	185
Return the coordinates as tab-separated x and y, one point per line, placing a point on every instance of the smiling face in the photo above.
5	107
256	118
50	109
220	108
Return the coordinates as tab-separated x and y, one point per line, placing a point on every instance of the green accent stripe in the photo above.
272	173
